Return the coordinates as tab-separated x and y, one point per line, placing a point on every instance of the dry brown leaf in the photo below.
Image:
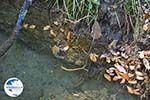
55	50
140	78
65	48
45	28
138	73
69	35
147	52
130	74
146	26
108	59
103	56
53	33
124	55
56	23
116	78
125	76
132	81
25	25
93	57
131	67
76	94
120	68
123	81
62	30
146	63
32	26
96	31
133	91
141	54
106	76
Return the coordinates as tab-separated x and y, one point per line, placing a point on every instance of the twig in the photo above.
130	19
73	69
118	20
76	21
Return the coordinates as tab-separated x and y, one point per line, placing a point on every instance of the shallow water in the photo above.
43	78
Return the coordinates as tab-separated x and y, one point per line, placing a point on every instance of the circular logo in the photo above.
13	87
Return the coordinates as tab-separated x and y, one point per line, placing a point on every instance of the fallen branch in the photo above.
73	69
9	42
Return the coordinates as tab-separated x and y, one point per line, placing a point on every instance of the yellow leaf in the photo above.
106	76
93	57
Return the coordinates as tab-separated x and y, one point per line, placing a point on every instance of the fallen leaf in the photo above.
133	91
116	78
53	33
131	67
93	57
45	28
123	81
69	36
125	76
110	71
140	78
106	76
138	73
32	26
76	94
130	74
132	81
62	30
103	56
120	68
147	52
146	26
55	50
108	60
65	48
141	54
55	22
96	31
25	25
124	55
146	63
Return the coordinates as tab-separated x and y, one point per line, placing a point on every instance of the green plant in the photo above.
134	14
76	9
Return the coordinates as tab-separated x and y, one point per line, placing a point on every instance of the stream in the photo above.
43	79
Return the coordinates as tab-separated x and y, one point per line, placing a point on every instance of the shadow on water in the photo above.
43	78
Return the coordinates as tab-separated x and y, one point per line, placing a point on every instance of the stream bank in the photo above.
43	78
